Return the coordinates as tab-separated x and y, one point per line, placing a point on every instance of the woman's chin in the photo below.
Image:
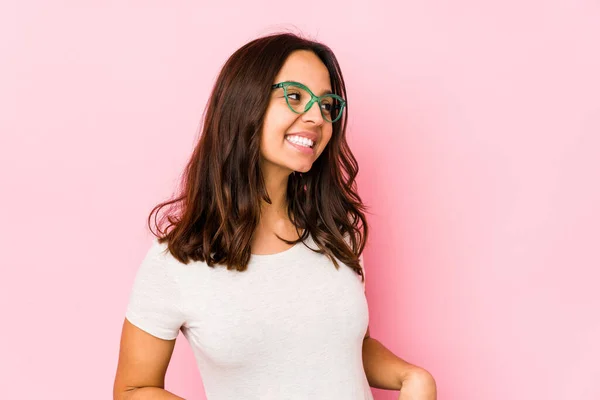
302	169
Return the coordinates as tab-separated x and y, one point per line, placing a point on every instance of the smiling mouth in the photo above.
298	140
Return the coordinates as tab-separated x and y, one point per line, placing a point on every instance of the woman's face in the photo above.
281	123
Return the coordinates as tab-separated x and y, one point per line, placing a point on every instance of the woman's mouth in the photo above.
301	144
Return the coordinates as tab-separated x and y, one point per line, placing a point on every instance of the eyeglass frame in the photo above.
313	98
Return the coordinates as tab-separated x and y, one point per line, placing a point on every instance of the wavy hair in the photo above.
214	215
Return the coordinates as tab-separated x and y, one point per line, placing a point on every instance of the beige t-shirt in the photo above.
289	327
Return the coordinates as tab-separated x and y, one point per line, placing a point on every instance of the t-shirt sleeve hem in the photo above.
152	330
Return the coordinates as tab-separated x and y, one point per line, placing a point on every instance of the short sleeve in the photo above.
154	301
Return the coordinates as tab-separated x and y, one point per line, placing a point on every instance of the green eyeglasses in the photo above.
300	99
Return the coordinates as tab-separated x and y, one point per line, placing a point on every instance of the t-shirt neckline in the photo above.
279	254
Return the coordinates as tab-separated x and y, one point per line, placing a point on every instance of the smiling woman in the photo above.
258	261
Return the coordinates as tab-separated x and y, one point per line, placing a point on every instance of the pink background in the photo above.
476	126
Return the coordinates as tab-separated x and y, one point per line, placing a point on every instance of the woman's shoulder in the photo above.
159	257
158	251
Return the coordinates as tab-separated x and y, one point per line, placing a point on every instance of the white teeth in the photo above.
300	140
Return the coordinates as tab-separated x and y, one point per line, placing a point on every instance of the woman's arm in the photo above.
385	370
143	362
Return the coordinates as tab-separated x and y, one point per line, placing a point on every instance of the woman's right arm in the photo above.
143	362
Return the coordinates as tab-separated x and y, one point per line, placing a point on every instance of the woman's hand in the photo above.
418	385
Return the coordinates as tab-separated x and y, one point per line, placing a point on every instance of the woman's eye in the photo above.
294	96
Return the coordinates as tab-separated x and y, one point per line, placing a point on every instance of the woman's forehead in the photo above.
306	68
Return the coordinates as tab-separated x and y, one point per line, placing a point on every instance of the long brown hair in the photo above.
217	210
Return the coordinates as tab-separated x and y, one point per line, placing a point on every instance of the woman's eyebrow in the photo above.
323	92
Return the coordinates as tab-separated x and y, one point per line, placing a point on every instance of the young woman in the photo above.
260	262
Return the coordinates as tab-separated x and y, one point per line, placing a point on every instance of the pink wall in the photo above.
476	125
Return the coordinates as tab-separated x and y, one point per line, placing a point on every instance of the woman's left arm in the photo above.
385	370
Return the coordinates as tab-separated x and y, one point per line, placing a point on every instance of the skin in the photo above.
143	358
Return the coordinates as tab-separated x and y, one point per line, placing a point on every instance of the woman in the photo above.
260	264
